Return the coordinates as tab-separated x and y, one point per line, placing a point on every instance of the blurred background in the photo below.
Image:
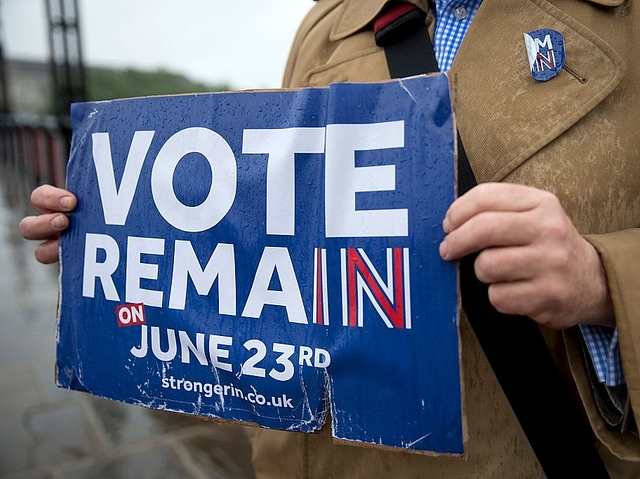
52	53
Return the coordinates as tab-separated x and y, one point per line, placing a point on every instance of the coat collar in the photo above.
606	3
357	14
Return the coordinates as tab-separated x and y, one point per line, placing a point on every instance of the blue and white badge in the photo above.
545	49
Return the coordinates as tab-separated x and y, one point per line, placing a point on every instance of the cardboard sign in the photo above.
268	257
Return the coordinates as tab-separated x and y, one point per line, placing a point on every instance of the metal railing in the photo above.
35	149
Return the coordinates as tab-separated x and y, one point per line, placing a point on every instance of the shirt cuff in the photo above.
603	347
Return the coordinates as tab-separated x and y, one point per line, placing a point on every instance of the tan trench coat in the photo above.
576	135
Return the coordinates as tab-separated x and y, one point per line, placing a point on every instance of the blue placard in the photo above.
269	257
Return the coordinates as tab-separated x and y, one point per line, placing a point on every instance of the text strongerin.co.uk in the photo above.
208	390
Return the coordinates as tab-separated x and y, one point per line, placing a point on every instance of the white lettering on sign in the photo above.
130	314
116	202
137	270
343	178
275	260
223	183
221	266
93	269
359	279
281	145
280	356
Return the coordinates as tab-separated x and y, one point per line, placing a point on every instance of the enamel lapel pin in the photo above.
545	49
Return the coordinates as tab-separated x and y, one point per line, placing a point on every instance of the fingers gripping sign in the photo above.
536	263
53	203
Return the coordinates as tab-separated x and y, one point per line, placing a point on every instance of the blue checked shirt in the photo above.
453	18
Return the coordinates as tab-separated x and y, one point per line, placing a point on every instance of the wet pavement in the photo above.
47	432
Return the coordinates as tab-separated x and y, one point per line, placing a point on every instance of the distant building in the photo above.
29	87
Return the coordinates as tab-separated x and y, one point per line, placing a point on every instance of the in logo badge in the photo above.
545	49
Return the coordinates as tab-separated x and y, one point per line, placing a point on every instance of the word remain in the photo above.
389	291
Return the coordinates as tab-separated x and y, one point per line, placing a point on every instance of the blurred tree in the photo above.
108	84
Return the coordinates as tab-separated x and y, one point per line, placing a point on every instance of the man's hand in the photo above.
531	255
53	202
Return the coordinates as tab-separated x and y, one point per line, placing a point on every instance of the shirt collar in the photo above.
440	5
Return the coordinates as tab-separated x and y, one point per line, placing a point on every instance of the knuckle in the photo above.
28	227
543	319
552	293
558	259
23	227
46	252
498	299
549	298
486	193
480	230
43	197
556	230
549	200
483	267
40	253
554	224
35	196
40	191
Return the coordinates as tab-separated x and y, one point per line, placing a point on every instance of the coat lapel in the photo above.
504	116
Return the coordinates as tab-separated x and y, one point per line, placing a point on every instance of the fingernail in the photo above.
66	202
444	249
445	224
58	222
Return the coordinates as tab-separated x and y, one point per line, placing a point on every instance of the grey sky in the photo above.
240	42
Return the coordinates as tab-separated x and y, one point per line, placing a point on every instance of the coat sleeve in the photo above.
620	254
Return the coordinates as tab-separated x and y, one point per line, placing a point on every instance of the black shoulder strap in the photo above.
514	346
